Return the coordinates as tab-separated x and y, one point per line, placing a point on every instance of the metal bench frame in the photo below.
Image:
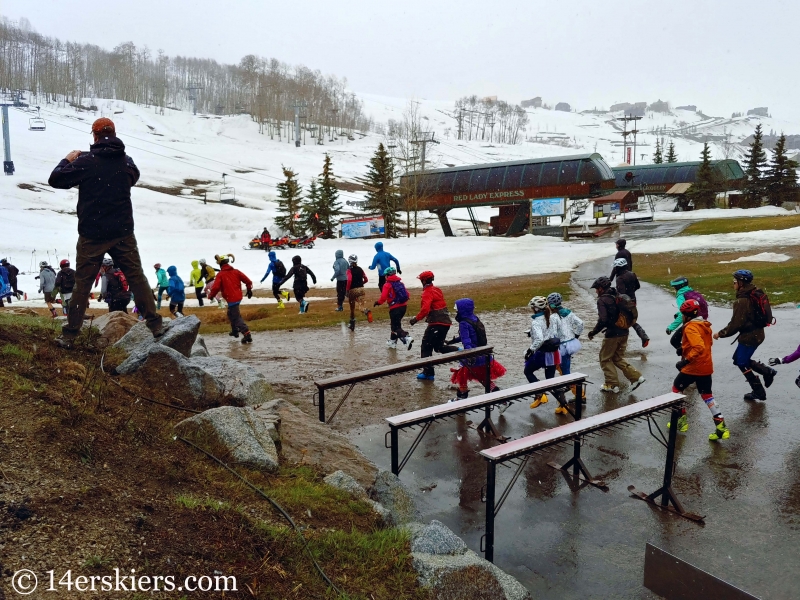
352	379
520	451
425	417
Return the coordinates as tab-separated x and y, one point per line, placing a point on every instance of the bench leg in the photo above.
490	512
488	426
395	451
322	405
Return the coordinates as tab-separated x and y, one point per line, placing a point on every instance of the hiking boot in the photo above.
247	339
392	344
721	432
614	389
637	383
645	342
280	304
352	324
285	295
65	342
758	393
305	306
539	400
459	396
159	332
683	424
424	377
561	410
234	333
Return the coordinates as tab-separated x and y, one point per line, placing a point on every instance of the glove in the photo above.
249	293
681	363
528	353
376	303
590	336
668	331
774	361
413	321
399	272
99	297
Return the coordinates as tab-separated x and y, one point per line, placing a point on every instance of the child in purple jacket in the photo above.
787	359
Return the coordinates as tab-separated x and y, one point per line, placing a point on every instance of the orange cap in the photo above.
104	125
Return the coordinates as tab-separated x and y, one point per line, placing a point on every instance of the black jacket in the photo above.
104	177
622	253
628	283
65	280
12	273
300	273
607	314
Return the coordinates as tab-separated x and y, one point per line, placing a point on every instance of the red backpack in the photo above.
762	311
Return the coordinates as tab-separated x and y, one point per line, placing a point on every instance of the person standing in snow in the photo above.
266	239
382	260
356	278
396	296
196	281
433	309
628	283
472	334
65	282
300	272
104	177
162	285
175	292
47	283
622	252
615	325
278	270
746	322
13	272
228	283
340	266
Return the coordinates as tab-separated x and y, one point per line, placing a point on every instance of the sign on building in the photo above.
547	207
605	210
363	227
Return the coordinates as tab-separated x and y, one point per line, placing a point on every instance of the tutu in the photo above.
464	375
571	347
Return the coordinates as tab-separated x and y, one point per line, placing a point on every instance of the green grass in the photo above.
12	351
781	281
193	502
741	225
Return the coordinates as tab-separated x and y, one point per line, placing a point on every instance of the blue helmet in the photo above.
554	299
743	275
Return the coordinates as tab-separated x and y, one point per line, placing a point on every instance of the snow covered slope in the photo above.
37	222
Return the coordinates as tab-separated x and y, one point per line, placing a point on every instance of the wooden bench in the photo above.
425	417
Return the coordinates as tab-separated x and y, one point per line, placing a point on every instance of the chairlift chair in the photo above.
36	124
227	194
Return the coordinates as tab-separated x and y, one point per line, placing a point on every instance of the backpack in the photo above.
480	331
67	280
117	284
279	269
401	294
703	312
762	311
628	313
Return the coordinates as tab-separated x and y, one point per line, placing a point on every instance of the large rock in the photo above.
180	335
199	350
343	481
305	440
113	326
240	382
435	538
393	495
237	431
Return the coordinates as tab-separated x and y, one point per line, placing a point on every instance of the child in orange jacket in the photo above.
696	366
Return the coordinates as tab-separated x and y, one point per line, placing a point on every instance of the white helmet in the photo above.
620	262
352	258
538	303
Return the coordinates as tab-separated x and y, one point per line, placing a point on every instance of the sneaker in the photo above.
409	341
645	342
369	315
233	334
247	339
219	304
614	389
338	309
637	383
721	432
392	344
305	306
423	377
178	315
683	424
280	304
539	400
65	342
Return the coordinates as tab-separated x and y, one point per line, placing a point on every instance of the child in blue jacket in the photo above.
383	260
175	292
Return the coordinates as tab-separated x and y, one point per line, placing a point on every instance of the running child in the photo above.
300	272
162	285
356	278
396	296
65	283
433	309
340	266
209	274
544	351
278	270
47	283
228	283
196	281
571	330
175	292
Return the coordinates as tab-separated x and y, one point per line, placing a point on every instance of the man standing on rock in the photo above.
104	177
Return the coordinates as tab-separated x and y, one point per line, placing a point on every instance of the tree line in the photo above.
489	119
266	89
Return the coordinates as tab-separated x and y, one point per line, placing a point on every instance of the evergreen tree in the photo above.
329	207
671	157
704	190
382	195
755	163
289	199
657	157
312	208
781	176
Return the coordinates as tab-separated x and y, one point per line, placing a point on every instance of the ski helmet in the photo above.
621	242
389	271
43	264
601	283
352	258
64	264
538	303
157	266
620	262
107	262
679	282
743	275
425	276
4	261
554	299
690	307
202	261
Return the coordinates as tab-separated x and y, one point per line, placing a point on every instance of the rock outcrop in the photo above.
180	335
395	497
113	326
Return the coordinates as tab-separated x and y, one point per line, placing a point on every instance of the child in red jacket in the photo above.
228	283
433	309
395	294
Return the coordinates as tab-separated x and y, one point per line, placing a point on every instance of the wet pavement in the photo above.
588	544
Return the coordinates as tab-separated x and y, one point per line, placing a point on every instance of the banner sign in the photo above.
363	227
605	210
547	207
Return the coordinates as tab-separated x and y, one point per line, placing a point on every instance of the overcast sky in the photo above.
723	56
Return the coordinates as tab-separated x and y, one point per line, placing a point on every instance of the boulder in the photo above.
113	326
435	538
199	350
179	335
234	432
343	481
395	497
467	575
305	440
241	383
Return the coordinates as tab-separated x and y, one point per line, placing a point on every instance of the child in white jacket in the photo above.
572	328
546	327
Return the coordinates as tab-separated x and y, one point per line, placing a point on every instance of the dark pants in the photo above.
531	367
13	283
161	290
433	341
341	291
276	291
684	380
381	281
300	293
235	317
125	254
176	307
396	317
119	306
198	291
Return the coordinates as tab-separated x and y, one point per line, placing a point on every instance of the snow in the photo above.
174	230
763	257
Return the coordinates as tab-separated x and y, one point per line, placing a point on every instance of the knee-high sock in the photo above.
713	407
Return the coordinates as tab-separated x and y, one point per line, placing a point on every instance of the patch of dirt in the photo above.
32	188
